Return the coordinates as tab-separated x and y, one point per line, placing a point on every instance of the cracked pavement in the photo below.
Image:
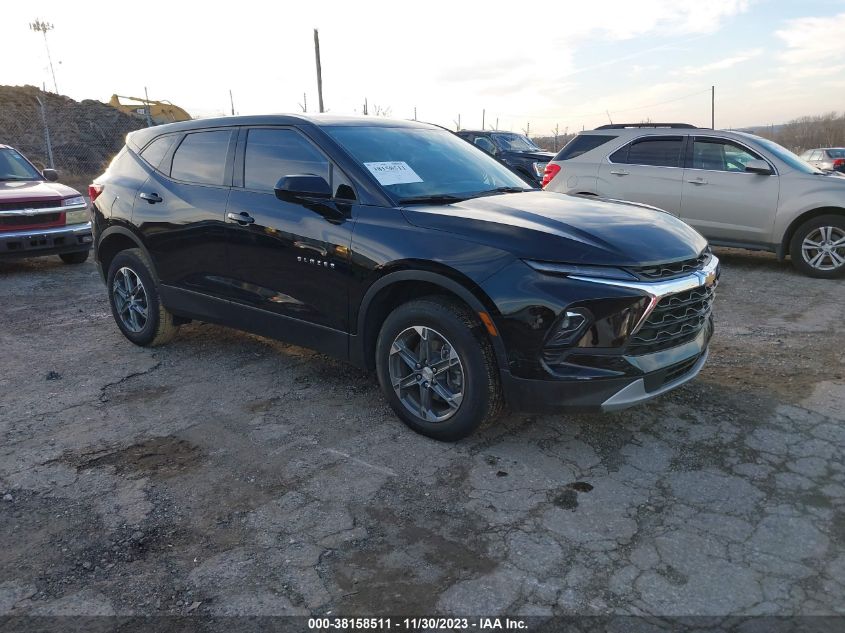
232	475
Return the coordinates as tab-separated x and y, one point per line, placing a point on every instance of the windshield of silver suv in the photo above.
785	155
416	165
515	143
13	166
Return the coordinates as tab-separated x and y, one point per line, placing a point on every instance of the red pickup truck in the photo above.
39	216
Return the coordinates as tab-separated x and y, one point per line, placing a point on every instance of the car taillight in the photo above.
838	162
550	172
94	191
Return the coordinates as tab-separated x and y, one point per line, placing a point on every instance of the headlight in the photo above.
604	272
73	202
539	169
76	217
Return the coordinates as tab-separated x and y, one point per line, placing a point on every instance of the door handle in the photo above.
697	181
619	172
241	218
152	198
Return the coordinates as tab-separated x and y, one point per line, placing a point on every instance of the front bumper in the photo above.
53	241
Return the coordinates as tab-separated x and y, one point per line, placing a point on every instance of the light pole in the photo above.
40	26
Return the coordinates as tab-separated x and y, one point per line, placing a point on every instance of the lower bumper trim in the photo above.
635	393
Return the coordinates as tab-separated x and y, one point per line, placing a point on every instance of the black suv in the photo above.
517	151
401	248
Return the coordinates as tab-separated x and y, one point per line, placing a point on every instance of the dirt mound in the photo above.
84	135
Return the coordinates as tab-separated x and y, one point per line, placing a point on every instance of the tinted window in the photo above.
717	155
155	151
836	153
659	152
486	144
201	158
582	144
271	154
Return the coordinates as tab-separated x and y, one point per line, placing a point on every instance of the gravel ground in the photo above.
230	474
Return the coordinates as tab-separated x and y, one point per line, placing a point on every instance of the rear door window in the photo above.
271	154
201	158
664	151
582	144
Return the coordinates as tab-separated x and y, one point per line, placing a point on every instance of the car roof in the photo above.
140	138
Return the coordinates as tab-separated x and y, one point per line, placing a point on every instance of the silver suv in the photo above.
735	188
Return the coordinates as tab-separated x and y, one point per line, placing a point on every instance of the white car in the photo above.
736	189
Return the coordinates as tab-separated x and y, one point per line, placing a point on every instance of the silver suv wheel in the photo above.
130	299
426	373
824	248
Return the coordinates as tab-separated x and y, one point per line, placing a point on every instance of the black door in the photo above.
181	210
289	259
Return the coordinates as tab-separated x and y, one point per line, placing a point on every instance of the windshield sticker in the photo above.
394	172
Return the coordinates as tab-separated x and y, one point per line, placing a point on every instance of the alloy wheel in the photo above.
426	373
824	248
130	299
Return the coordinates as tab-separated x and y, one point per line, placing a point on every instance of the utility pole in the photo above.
365	105
483	116
232	101
147	108
557	131
40	26
415	113
304	104
319	69
712	107
497	124
457	124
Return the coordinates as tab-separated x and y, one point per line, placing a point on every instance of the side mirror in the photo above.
50	174
757	166
295	188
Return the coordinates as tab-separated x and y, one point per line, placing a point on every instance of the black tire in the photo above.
79	257
799	260
158	327
481	391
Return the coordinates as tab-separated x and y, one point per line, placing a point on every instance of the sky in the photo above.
568	64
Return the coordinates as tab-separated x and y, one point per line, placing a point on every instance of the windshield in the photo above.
785	155
416	162
515	143
13	166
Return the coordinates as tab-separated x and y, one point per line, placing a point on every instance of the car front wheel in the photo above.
437	369
135	303
818	247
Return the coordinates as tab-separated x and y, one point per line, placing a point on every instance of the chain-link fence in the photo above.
78	139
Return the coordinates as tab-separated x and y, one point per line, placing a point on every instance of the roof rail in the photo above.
622	126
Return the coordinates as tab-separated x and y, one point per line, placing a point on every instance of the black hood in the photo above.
555	227
538	156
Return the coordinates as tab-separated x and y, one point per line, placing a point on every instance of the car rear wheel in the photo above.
818	247
135	303
79	257
437	369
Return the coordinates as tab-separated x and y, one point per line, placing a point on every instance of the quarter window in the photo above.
155	152
201	158
582	144
271	154
720	155
657	152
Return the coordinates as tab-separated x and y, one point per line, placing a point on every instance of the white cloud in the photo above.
722	64
813	40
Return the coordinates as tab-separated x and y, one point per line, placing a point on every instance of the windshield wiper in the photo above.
493	192
436	198
14	178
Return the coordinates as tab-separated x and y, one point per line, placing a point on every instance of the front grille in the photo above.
676	319
30	204
29	220
675	269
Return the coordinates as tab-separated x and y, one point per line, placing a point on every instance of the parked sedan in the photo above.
828	158
39	216
736	189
